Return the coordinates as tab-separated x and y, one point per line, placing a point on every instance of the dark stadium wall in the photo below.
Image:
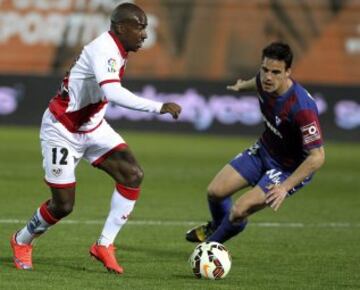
207	106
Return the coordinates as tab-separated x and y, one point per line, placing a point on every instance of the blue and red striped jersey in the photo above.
292	124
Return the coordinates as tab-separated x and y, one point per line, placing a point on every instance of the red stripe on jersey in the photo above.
121	48
46	215
73	120
131	193
287	106
107	154
91	130
109	81
56	185
122	71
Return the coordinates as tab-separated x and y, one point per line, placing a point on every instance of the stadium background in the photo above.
194	48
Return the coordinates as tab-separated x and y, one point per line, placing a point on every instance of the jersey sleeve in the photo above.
107	66
308	122
121	96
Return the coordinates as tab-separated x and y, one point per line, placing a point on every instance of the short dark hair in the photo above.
124	12
279	51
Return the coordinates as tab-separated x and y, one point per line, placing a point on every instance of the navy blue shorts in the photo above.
259	168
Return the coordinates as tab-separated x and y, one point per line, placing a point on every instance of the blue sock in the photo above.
219	209
227	230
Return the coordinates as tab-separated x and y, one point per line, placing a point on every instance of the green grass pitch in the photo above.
312	242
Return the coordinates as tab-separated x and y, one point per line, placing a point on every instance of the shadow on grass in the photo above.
155	252
188	277
71	263
7	262
54	263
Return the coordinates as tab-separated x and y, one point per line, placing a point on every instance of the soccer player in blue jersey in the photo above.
281	162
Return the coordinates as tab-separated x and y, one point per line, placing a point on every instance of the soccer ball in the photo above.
210	260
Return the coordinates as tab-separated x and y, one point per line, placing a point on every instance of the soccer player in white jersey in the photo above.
73	127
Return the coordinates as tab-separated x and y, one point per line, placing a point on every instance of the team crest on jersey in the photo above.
310	133
112	65
56	171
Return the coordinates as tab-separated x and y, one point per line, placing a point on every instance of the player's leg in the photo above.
251	202
245	169
59	163
51	211
21	241
235	221
110	153
48	214
124	169
225	183
219	191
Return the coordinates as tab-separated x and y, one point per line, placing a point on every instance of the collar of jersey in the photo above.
121	48
290	90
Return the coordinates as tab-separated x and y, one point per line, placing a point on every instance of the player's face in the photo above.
274	75
132	32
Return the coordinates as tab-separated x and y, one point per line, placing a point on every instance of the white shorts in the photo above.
62	150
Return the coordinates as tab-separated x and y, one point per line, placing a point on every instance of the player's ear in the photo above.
288	72
120	27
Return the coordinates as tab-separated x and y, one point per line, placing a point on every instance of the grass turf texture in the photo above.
312	255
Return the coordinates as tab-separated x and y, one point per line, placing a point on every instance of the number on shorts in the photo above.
64	154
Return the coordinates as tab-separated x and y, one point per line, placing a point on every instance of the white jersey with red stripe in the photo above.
80	103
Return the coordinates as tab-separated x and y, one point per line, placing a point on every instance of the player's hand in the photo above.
171	108
275	196
239	85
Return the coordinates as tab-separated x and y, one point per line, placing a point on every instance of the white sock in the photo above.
120	210
35	227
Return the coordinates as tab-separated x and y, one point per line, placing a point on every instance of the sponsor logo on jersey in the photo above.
272	128
310	133
112	66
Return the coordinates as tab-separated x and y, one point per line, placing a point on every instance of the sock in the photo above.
219	209
122	203
227	230
37	225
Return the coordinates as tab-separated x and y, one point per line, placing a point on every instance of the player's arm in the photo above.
312	163
121	96
106	66
309	126
243	85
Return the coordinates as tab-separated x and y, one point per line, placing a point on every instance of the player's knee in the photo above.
62	210
135	178
239	211
214	192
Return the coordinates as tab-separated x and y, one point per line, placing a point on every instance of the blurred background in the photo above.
194	49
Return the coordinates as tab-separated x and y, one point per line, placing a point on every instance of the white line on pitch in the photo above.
193	223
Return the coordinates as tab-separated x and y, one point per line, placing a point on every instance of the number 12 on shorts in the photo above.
59	156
